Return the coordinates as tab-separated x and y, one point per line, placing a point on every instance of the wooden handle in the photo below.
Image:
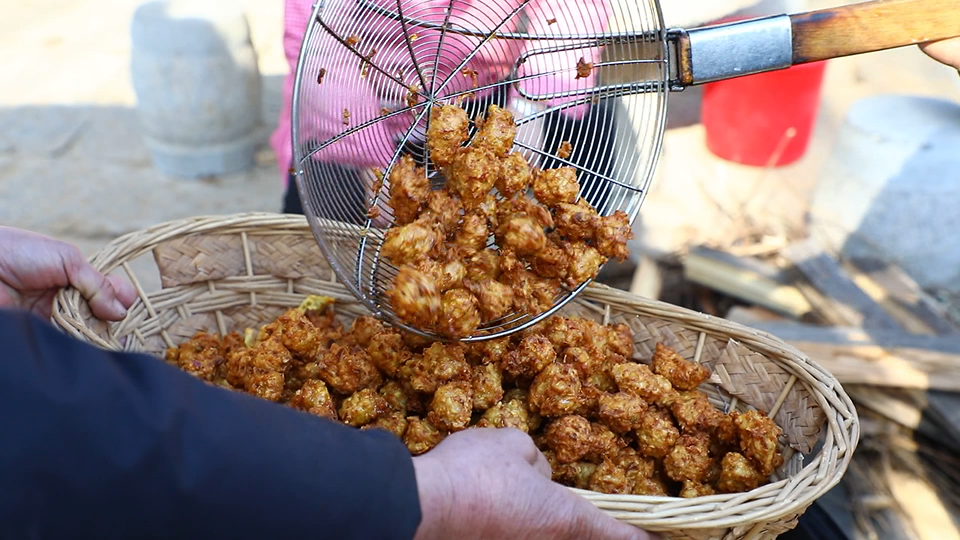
872	26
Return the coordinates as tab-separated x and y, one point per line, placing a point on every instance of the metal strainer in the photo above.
594	73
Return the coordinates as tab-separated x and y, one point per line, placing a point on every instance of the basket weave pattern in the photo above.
228	273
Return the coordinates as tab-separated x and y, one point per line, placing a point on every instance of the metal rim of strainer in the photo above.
328	211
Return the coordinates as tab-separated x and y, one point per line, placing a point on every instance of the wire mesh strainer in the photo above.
595	73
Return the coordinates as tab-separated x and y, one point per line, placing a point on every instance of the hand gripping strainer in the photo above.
594	73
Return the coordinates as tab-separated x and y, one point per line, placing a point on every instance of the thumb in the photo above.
93	285
593	524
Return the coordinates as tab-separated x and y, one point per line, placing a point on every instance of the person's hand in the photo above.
34	267
945	51
493	483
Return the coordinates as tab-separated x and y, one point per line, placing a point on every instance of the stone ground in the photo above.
72	164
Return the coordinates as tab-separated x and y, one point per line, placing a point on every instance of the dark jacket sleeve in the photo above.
97	444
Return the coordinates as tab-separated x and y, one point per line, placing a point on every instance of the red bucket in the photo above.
765	119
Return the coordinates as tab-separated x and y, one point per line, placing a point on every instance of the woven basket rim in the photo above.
784	498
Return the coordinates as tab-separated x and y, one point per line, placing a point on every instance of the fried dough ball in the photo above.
694	412
473	234
394	422
296	332
551	261
693	489
639	380
443	209
268	385
555	186
563	332
472	175
487	386
394	396
515	175
610	478
570	438
612	234
268	362
496	132
421	436
738	474
521	234
619	339
314	398
683	374
483	265
363	407
200	356
488	351
594	369
621	412
348	370
439	364
363	329
584	263
657	433
758	440
577	221
409	243
495	299
689	459
565	149
531	356
452	406
606	443
388	353
556	391
447	132
575	474
508	413
651	487
489	208
409	189
638	468
459	313
451	272
415	298
520	205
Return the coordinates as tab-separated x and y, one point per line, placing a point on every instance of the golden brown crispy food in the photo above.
415	298
496	131
689	459
507	413
395	396
551	261
657	433
459	313
394	422
363	407
472	175
641	381
612	234
565	149
488	350
473	234
388	352
693	489
447	132
409	189
495	299
593	368
452	406
621	412
583	262
531	293
296	332
570	437
409	243
421	435
606	443
348	370
694	412
651	487
439	364
531	356
577	221
555	186
738	474
758	440
314	398
487	386
575	474
268	385
483	265
515	175
443	209
489	208
638	468
683	374
451	271
363	329
520	205
608	477
268	363
619	339
521	234
564	332
200	356
556	391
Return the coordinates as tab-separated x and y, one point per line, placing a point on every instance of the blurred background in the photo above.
828	216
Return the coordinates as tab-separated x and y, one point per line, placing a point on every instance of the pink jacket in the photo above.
371	94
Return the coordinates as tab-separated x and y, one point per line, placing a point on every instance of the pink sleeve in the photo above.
296	15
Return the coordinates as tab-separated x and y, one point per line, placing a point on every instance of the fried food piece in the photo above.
619	339
521	234
409	189
447	133
415	298
689	459
532	355
651	487
639	380
508	413
584	262
394	422
268	385
439	364
394	396
415	342
515	175
563	332
583	68
363	407
487	386
488	207
570	437
575	474
683	374
452	271
577	221
200	356
363	329
610	478
459	313
694	412
555	186
606	443
314	398
556	391
296	332
496	132
421	436
472	175
348	370
487	351
551	261
443	209
738	474
621	412
483	265
657	433
268	362
452	406
388	352
531	293
637	467
612	234
758	440
520	205
473	234
594	369
495	299
693	489
409	243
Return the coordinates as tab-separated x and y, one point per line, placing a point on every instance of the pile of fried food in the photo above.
449	281
605	422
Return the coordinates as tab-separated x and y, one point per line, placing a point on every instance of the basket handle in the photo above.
872	26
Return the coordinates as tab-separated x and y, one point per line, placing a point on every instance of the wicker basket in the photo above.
227	273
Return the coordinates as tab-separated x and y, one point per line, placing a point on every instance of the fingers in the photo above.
96	288
542	466
593	524
126	292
